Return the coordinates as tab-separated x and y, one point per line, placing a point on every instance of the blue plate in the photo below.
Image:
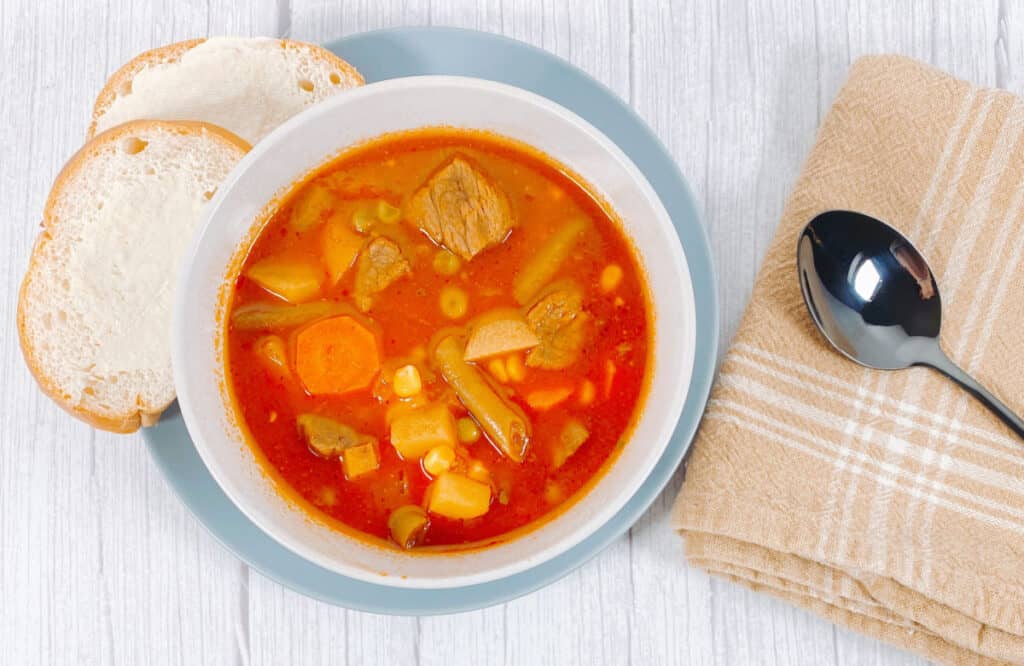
388	54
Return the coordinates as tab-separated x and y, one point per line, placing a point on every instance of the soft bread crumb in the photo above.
246	85
94	311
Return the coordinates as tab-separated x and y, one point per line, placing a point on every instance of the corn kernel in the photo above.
407	381
515	367
496	367
468	430
587	392
388	213
454	302
611	276
479	472
446	263
439	460
364	218
455	496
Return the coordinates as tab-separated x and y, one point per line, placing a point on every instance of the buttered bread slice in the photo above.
246	85
94	312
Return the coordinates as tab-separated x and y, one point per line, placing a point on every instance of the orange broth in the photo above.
406	316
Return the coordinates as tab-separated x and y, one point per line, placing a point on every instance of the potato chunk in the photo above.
497	333
459	497
294	281
328	438
573	435
312	205
416	431
340	246
360	459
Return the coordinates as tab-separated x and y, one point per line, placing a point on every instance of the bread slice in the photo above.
248	86
94	312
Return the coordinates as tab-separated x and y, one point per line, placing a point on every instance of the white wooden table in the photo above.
100	563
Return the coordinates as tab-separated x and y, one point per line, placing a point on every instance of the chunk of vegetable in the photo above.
611	276
416	431
408	525
271	348
479	472
546	398
454	302
294	281
256	316
326	437
467	430
496	366
340	246
360	459
504	424
387	213
364	218
515	367
499	332
587	392
312	205
439	460
553	492
546	261
459	497
446	263
407	381
609	377
336	355
572	437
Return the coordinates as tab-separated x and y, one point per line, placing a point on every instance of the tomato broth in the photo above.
419	250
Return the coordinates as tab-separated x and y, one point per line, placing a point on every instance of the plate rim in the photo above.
481	595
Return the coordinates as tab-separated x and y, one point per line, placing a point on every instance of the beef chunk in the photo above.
560	322
460	209
380	263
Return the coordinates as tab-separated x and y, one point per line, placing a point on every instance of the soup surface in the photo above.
439	338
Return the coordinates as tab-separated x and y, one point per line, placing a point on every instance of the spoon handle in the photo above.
941	362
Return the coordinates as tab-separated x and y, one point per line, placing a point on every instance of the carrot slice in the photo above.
543	399
336	355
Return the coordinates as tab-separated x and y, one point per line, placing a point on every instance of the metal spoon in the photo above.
875	299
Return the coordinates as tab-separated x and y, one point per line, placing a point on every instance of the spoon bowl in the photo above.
875	299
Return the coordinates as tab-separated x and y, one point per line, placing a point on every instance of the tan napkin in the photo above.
891	503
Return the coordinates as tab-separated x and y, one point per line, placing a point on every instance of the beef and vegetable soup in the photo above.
439	338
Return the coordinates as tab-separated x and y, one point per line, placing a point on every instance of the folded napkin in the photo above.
891	503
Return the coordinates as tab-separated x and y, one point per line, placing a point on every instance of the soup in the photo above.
438	339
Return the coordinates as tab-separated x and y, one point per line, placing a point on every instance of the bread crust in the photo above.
173	52
132	420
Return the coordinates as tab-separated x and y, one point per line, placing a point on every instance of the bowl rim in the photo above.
580	532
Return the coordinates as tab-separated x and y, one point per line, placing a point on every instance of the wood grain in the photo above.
99	562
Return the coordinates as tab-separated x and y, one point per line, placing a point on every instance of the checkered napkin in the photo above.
889	502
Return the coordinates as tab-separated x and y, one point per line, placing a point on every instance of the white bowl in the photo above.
306	142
